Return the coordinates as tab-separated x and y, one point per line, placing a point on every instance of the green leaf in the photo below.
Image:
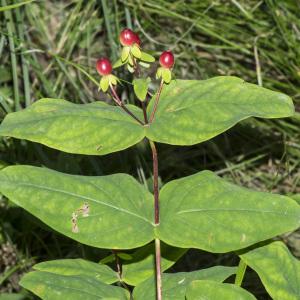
278	270
140	87
193	111
174	285
94	128
51	286
206	212
107	259
136	52
210	290
147	57
74	267
120	209
124	256
6	296
142	265
296	197
125	53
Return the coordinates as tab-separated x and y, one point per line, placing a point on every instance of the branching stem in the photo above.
145	112
118	264
155	182
156	100
119	102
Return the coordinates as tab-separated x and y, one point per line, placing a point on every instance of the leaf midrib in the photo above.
234	210
80	197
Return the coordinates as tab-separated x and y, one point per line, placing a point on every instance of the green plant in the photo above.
115	212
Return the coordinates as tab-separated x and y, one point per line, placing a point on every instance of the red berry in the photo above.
127	37
103	66
166	59
137	39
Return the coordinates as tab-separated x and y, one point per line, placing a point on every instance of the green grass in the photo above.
49	49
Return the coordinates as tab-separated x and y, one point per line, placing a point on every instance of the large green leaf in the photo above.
204	211
189	112
174	285
94	128
73	267
296	197
193	111
121	211
8	296
49	286
142	264
210	290
278	270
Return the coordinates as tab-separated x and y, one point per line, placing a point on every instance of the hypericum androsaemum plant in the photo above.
200	211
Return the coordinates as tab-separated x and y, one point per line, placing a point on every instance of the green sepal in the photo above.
166	75
147	57
143	64
136	52
125	53
140	87
130	60
159	73
118	63
130	68
104	83
113	79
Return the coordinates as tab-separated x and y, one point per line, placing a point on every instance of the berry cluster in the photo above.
133	57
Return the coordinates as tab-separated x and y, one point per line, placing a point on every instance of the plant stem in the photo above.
145	112
240	273
156	221
118	264
158	270
121	104
155	182
156	100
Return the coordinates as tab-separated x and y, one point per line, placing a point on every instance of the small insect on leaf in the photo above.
84	210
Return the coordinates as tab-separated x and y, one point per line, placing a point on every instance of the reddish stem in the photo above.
156	100
121	104
145	112
156	221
